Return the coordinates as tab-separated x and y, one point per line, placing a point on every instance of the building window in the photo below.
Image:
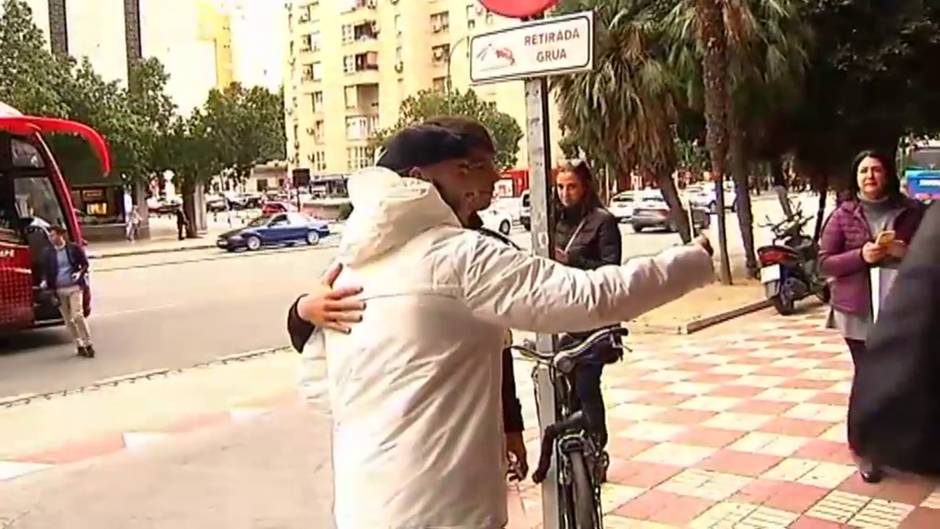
398	25
440	54
398	54
305	43
360	127
319	131
347	33
358	157
317	102
351	100
365	31
439	83
319	161
308	72
440	22
349	64
315	40
317	71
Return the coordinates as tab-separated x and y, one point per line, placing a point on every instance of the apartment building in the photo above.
203	44
350	63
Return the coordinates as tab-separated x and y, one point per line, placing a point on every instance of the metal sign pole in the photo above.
543	243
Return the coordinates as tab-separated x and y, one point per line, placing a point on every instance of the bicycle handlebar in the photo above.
565	359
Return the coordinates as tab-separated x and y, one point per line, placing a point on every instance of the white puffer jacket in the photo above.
414	390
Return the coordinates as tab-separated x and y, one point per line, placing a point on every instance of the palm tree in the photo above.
767	57
626	105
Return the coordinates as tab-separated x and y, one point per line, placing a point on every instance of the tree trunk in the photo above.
188	191
821	210
678	215
739	171
715	68
780	186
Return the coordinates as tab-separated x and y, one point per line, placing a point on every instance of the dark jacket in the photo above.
300	331
840	251
894	411
596	244
77	258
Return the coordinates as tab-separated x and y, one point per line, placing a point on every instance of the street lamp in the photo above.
450	57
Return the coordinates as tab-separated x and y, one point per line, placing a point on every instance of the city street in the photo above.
173	310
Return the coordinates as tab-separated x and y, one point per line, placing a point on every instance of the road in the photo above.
178	309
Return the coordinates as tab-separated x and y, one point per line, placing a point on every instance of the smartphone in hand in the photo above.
885	238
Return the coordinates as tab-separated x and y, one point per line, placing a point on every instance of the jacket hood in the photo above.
388	211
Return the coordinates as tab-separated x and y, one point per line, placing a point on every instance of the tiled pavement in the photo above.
742	431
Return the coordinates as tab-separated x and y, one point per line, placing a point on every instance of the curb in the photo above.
23	400
134	253
698	324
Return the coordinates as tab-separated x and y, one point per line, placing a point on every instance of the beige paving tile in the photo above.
798	363
636	412
614	495
619	522
653	364
772	353
669	375
841	387
791	469
721	515
759	381
652	431
787	394
827	475
709	403
767	518
881	514
737	421
835	375
818	412
932	501
690	388
838	506
769	444
675	454
734	369
838	434
14	469
705	484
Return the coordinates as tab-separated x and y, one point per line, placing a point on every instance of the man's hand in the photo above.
873	253
515	452
561	256
330	308
705	244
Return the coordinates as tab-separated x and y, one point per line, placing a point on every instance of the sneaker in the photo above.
82	351
89	352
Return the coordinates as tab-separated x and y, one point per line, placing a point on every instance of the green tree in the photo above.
245	127
626	105
30	76
432	103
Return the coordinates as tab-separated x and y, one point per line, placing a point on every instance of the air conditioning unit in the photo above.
305	17
296	144
438	54
399	67
480	9
310	157
436	27
310	131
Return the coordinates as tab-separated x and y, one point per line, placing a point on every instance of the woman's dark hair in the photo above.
892	183
580	169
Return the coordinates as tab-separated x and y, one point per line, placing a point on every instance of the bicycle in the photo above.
582	464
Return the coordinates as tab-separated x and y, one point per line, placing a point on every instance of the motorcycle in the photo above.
790	265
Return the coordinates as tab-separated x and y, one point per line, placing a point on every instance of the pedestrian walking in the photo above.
896	419
181	223
66	275
133	224
852	244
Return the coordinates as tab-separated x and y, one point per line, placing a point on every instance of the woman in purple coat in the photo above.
848	250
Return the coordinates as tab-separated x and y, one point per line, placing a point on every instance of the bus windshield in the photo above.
925	159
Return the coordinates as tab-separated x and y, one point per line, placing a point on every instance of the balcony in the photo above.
362	99
362	68
362	127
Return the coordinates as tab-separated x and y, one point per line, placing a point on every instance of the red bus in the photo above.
33	197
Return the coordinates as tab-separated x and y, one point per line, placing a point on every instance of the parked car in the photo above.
703	195
621	205
270	208
245	201
215	203
274	230
163	206
525	210
497	220
654	213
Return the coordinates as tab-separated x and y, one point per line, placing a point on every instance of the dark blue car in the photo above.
275	230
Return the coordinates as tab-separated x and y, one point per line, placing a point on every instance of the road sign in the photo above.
534	49
518	8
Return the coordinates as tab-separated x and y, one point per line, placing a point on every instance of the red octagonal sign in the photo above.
518	8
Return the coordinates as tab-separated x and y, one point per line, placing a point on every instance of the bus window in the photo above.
926	158
26	155
36	202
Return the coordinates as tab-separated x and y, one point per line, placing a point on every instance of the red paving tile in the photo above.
623	448
713	378
77	451
763	407
710	437
842	365
678	416
665	508
830	397
808	522
783	495
796	427
735	391
693	366
740	463
639	474
647	385
822	450
816	355
921	518
755	361
661	398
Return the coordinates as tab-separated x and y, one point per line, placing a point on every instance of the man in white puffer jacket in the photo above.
414	388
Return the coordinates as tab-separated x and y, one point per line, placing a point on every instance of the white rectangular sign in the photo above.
538	48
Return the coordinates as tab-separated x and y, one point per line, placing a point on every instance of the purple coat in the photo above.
840	251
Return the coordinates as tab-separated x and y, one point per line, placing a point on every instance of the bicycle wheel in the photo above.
582	493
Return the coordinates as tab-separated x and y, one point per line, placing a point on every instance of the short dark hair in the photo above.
474	133
892	182
420	146
59	230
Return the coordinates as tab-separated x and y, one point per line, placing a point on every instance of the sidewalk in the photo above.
741	426
163	238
